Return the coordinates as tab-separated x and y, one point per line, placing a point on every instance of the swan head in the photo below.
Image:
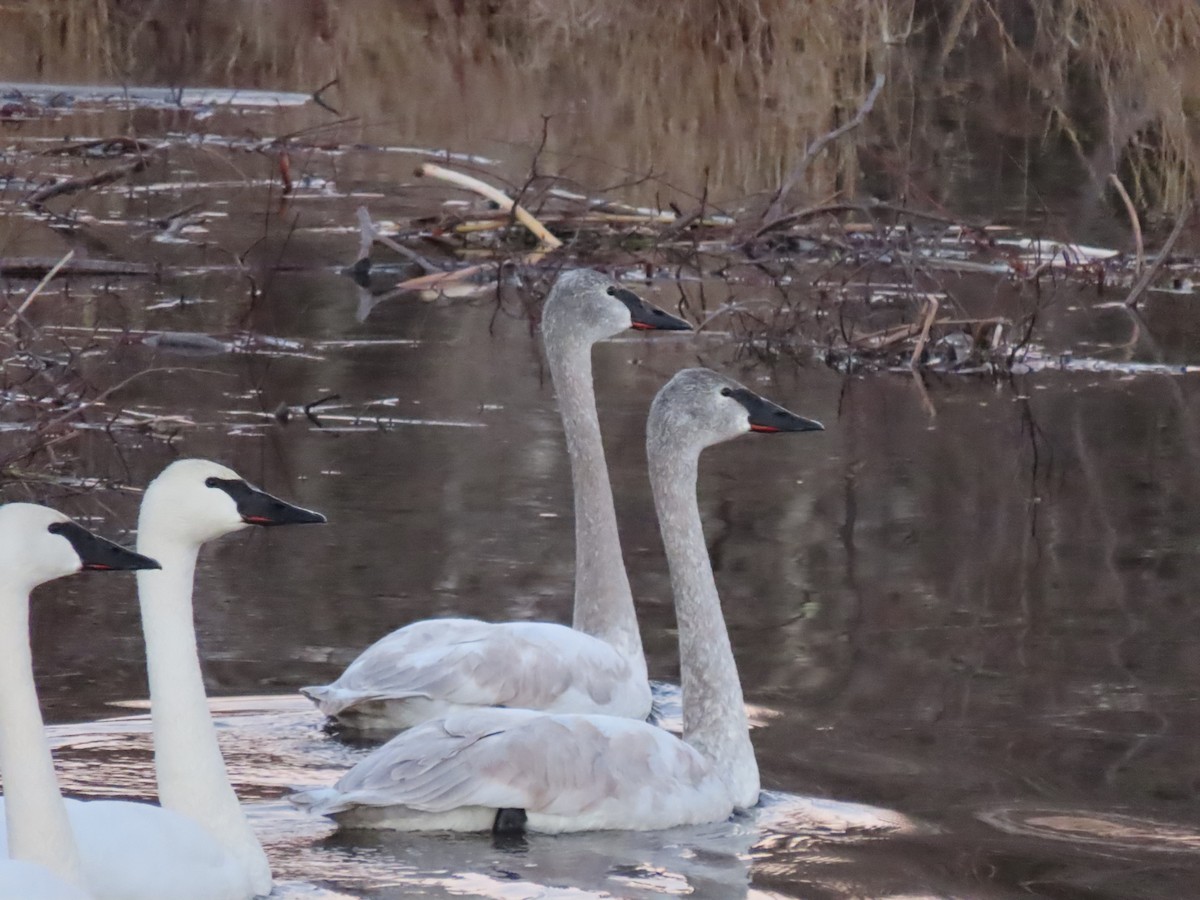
699	407
195	500
587	305
39	544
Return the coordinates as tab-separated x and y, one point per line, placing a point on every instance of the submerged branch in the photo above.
496	196
1140	287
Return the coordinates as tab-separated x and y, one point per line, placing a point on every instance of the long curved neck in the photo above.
36	817
191	774
714	714
603	601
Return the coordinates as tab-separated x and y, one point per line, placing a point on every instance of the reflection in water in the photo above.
985	610
274	743
981	618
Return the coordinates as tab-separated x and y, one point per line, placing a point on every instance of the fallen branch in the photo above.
369	234
74	185
46	279
1133	222
37	266
496	196
1140	286
930	315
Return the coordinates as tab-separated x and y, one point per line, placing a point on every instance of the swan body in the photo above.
438	667
491	768
198	844
432	668
20	880
39	858
135	850
567	772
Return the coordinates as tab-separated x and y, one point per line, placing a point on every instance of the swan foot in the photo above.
509	822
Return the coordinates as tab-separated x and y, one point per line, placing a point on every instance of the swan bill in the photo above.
260	508
647	316
98	554
771	418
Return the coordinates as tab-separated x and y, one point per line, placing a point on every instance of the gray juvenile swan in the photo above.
510	768
436	667
37	545
198	845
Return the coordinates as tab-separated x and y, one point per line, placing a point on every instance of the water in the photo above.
967	606
979	621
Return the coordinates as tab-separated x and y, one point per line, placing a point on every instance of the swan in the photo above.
435	667
198	844
41	860
513	769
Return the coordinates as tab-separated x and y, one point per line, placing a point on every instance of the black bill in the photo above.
768	417
260	508
99	554
646	316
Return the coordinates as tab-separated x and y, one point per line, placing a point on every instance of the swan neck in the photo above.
35	815
189	767
603	600
714	713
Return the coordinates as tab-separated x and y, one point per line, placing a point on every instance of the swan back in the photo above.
699	407
193	501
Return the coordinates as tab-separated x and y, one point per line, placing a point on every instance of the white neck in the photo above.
603	601
714	714
36	817
192	779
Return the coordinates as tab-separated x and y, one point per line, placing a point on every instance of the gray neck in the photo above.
35	815
603	601
191	774
714	715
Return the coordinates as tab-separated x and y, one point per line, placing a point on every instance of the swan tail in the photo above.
319	801
326	697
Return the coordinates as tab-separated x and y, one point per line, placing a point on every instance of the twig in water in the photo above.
1133	222
317	99
46	279
368	233
108	176
310	406
498	197
930	315
1140	286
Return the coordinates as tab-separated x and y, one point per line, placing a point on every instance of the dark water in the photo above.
970	607
980	620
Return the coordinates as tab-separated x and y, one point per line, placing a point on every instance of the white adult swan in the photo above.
511	768
436	667
41	860
198	845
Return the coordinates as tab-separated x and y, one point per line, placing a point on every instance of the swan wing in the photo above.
463	662
571	772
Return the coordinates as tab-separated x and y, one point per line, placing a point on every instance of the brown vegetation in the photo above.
719	92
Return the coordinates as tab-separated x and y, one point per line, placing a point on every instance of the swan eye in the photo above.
211	481
57	527
726	392
612	291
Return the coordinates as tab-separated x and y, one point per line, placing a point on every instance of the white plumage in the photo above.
592	772
441	666
198	845
433	668
42	861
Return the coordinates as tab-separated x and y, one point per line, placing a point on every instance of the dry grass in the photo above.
717	93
